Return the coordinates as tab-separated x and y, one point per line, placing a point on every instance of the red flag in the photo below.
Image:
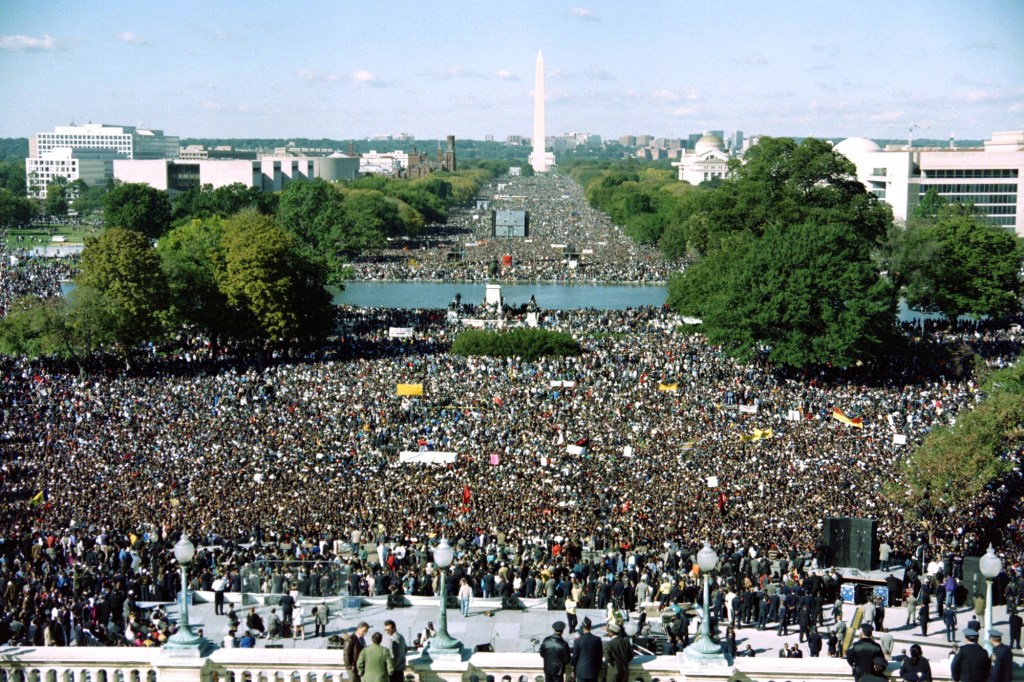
721	501
465	494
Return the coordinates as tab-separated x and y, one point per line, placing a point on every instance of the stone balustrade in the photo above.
99	664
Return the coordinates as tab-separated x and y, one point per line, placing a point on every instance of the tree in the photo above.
57	197
805	295
33	327
15	210
192	259
955	264
120	273
275	287
310	210
138	207
528	344
956	463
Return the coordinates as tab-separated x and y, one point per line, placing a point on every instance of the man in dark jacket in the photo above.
617	655
1002	658
971	663
862	652
555	652
587	653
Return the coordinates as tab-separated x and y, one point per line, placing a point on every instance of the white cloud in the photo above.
980	45
364	77
306	74
19	43
506	75
584	14
830	50
133	38
684	111
755	58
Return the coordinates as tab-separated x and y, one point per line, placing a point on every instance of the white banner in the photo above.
899	439
748	409
400	332
712	481
556	383
576	449
427	457
793	415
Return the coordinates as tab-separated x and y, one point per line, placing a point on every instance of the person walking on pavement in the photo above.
949	618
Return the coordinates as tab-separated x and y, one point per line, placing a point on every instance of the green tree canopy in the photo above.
529	344
955	463
955	264
121	268
806	294
275	287
138	207
15	210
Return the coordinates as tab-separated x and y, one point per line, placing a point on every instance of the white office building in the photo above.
87	153
268	173
989	177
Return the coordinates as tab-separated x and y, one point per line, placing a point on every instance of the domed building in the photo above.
708	160
990	177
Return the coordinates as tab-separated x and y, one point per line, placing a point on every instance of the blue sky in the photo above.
352	69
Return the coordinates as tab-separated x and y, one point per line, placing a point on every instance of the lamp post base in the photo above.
185	643
444	648
704	650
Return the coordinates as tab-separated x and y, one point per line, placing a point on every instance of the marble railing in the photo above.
98	664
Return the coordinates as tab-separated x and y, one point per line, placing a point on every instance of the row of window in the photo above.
983	198
969	188
972	173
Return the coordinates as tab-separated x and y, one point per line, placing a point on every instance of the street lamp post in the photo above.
442	644
704	648
184	638
990	566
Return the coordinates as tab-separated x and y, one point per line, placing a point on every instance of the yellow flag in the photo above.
662	386
39	499
410	389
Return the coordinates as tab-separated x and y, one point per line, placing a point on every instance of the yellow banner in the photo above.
758	434
662	386
410	389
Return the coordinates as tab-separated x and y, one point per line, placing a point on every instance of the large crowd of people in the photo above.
635	452
567	240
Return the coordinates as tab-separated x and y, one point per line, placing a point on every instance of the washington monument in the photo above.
540	160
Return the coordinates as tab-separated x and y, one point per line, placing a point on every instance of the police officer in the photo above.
1002	658
863	652
971	663
555	652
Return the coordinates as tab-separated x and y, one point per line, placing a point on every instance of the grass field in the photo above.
42	235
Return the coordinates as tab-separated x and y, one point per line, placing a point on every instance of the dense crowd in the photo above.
22	272
306	453
630	454
561	223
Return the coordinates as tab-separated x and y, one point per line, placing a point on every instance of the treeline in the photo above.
790	258
527	343
227	263
647	200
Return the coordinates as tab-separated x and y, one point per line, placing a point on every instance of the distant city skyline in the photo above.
353	70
